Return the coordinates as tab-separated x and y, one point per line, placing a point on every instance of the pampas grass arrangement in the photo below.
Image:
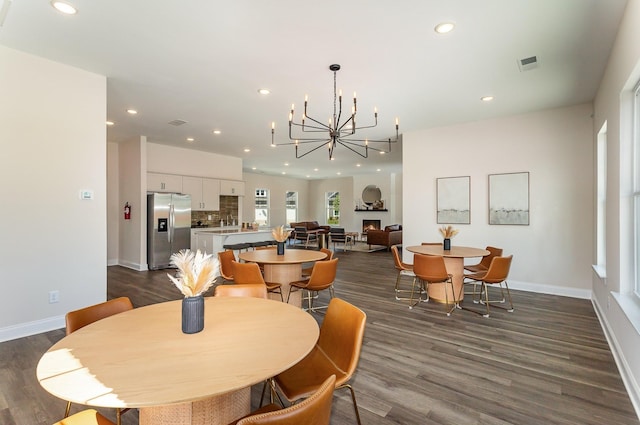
279	234
196	271
448	232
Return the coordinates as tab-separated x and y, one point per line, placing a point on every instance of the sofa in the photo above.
389	236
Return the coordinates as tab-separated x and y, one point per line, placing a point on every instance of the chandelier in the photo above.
312	134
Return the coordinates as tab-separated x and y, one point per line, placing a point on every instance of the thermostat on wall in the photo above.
86	194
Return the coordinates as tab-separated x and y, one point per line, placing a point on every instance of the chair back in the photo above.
498	270
247	273
341	335
241	290
85	316
493	252
430	268
314	410
328	252
397	262
226	269
322	275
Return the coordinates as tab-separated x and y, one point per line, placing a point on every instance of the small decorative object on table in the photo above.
280	235
447	233
196	274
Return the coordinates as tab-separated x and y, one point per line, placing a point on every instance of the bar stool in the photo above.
237	246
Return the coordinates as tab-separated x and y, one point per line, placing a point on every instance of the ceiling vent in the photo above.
177	122
527	64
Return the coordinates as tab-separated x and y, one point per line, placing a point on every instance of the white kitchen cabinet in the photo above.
231	188
157	182
205	193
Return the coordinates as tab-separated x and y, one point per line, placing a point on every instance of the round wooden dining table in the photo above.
454	262
140	358
283	269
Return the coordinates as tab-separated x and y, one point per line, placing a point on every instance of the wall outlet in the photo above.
54	297
209	217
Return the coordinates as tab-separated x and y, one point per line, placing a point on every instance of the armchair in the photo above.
391	235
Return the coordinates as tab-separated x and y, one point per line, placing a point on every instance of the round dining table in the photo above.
141	359
283	269
454	262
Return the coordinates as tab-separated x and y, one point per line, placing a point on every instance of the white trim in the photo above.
134	266
31	328
601	272
540	288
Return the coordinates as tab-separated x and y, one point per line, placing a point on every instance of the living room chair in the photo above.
496	275
431	269
226	258
250	273
80	318
314	410
322	277
302	234
241	290
85	417
338	236
337	352
307	270
404	269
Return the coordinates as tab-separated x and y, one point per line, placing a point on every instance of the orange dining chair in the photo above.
314	410
496	275
337	352
85	316
484	263
404	269
226	269
241	290
322	277
307	271
85	417
429	270
249	273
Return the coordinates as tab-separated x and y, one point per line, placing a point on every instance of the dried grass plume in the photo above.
279	234
196	271
448	232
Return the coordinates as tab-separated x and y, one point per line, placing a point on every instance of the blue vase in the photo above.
192	314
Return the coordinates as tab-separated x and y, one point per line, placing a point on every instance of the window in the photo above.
601	219
291	201
333	207
262	207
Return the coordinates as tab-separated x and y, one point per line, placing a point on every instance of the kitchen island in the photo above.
212	241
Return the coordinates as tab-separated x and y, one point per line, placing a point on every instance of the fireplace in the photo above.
369	225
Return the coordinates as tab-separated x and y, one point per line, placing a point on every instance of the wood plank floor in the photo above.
546	363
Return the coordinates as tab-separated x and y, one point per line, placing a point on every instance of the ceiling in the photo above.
203	61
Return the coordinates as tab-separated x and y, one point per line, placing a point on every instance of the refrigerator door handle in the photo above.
172	220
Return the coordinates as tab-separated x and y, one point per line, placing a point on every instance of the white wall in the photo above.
317	192
278	186
553	253
114	209
619	310
52	138
189	162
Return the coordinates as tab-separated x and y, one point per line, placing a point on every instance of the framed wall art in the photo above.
509	198
453	196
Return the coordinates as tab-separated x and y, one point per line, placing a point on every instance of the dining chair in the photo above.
226	269
307	270
80	318
314	410
336	352
241	290
322	277
496	275
431	269
85	417
485	261
404	269
250	273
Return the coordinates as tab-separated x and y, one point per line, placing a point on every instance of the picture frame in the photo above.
509	199
453	200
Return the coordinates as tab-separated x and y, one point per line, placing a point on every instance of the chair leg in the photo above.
353	398
67	410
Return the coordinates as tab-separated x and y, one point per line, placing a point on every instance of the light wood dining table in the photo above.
283	269
141	359
454	262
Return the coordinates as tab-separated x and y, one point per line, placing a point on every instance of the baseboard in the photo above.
135	266
31	328
541	288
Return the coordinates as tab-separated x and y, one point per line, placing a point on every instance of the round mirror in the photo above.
371	195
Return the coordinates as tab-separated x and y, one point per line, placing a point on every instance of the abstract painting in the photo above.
509	198
453	200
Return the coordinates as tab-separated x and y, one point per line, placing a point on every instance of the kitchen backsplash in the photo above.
228	212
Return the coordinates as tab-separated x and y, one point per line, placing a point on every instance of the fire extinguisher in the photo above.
127	211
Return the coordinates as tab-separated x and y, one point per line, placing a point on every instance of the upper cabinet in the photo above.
157	182
231	188
205	193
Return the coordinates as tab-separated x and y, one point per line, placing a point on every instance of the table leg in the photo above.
455	266
284	274
219	410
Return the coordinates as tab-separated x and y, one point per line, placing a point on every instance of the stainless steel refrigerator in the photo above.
168	227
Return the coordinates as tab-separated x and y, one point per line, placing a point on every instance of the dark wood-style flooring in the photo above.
546	363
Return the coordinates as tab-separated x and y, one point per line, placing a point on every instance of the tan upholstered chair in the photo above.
404	269
85	316
496	275
85	417
337	352
429	270
307	270
241	290
226	269
250	273
322	277
314	410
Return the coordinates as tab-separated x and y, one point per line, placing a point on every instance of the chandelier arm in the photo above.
365	155
389	140
312	150
325	126
314	127
353	128
344	143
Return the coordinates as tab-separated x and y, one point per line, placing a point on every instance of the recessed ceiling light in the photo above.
190	139
284	172
486	98
378	169
132	111
382	152
308	176
254	168
444	27
357	165
110	123
315	169
247	150
286	164
264	91
338	173
217	131
64	7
